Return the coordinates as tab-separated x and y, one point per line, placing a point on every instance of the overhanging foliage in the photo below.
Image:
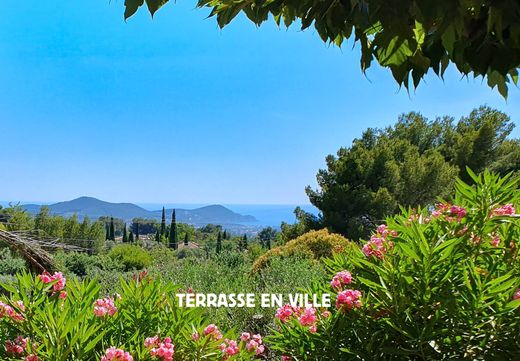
410	37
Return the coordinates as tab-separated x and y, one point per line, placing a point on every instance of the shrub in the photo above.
313	244
10	265
131	257
432	284
80	264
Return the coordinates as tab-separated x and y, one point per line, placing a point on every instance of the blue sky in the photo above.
175	110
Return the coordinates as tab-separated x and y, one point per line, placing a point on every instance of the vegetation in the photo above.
480	37
428	285
312	245
409	164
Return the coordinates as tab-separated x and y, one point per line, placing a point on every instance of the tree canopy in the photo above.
410	37
409	164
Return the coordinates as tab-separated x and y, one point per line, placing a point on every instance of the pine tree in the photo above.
219	243
157	236
186	239
130	237
125	234
173	232
112	234
163	223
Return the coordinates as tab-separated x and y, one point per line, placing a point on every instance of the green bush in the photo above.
80	264
435	284
131	257
10	265
313	244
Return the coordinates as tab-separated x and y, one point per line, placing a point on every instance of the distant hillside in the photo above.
95	208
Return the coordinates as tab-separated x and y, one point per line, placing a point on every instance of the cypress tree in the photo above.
186	239
157	236
112	229
137	231
173	232
225	235
244	242
131	237
125	235
107	232
219	243
163	223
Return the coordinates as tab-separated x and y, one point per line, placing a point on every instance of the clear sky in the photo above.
174	110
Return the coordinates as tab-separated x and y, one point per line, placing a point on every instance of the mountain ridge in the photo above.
95	208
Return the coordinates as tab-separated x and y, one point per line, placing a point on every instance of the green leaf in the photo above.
131	7
154	5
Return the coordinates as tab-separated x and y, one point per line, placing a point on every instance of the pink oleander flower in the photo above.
348	299
151	341
31	358
56	277
458	212
516	296
313	328
325	314
383	230
213	331
255	345
104	306
495	240
284	313
376	247
195	336
341	279
6	310
116	354
308	318
16	347
63	295
164	350
286	358
229	348
451	212
245	336
505	210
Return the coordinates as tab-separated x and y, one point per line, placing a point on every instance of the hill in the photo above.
95	208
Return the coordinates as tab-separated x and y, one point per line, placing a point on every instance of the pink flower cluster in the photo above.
495	240
505	210
163	350
16	347
341	279
6	310
116	354
348	299
286	358
378	246
306	316
253	343
59	283
213	332
229	348
104	306
451	213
